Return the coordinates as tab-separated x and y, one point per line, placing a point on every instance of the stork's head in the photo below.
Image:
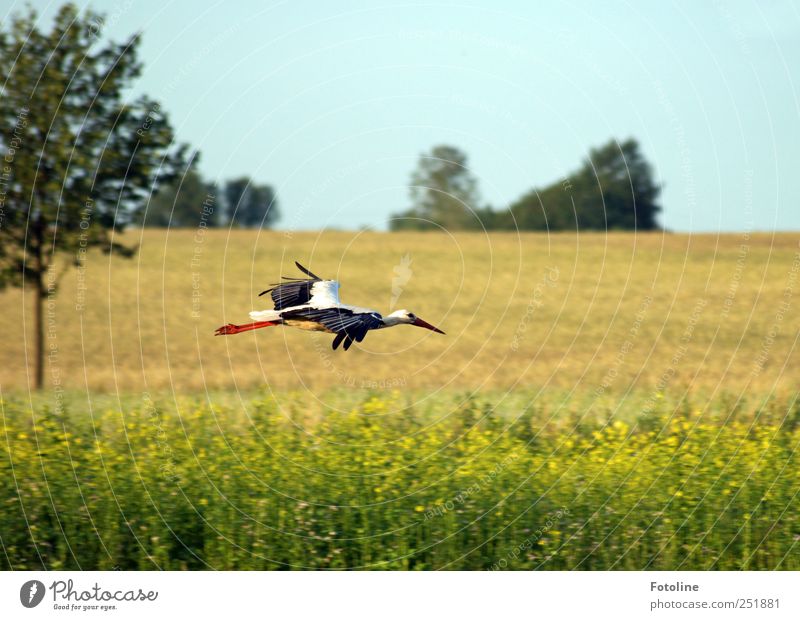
399	317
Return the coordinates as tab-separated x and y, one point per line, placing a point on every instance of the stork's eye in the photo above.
411	316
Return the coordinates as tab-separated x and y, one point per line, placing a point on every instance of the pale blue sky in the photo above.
332	102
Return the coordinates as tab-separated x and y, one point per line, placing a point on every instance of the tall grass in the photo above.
458	483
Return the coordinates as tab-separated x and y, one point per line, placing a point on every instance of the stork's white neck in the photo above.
398	317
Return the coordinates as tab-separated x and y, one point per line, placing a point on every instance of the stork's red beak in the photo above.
420	323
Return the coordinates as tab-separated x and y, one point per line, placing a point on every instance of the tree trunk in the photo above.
39	378
38	242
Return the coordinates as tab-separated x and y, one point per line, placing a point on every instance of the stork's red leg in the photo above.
230	328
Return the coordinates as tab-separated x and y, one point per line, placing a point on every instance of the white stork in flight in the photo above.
313	303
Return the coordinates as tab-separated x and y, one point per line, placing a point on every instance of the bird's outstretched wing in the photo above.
301	291
348	326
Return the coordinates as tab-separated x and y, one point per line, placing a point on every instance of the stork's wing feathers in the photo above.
306	271
300	291
295	293
338	340
348	326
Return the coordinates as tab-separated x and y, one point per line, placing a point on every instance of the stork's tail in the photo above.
265	315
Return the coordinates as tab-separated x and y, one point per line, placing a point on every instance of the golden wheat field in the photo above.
582	312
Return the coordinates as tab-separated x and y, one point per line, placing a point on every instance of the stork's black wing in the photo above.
348	326
294	292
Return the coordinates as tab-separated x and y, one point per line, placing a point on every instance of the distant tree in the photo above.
249	205
185	202
77	157
625	178
614	189
443	193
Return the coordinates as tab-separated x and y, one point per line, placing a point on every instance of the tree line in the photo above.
613	189
181	202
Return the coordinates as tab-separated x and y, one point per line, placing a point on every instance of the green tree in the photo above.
185	202
249	205
613	189
77	157
443	193
624	179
